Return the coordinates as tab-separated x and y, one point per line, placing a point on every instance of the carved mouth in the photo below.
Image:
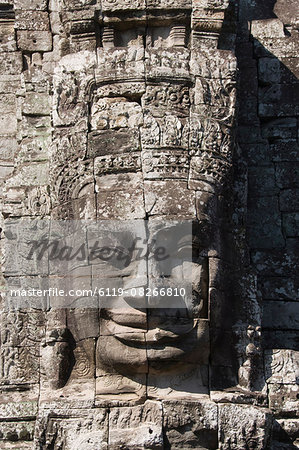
136	328
126	318
151	337
154	336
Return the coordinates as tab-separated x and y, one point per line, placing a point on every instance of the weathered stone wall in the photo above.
45	122
267	52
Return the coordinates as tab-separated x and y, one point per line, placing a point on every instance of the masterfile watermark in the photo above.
69	264
57	251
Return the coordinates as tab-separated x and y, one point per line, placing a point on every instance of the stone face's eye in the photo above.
186	99
173	97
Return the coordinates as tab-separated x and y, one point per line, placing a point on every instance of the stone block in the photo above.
242	425
76	5
282	366
17	298
69	107
166	198
18	445
190	424
56	25
114	387
82	427
8	123
114	5
264	223
34	41
161	164
269	70
116	354
285	151
280	315
248	110
221	348
261	181
277	47
32	175
11	63
267	28
83	323
109	142
192	379
289	70
36	104
222	377
84	360
20	364
32	20
120	196
17	431
17	410
258	154
8	148
290	224
288	15
34	149
10	84
22	329
77	16
8	40
33	126
283	96
279	100
286	338
136	426
6	170
82	43
169	4
286	433
40	5
279	288
249	83
289	200
8	104
173	62
114	113
283	399
185	350
287	174
244	52
280	129
249	135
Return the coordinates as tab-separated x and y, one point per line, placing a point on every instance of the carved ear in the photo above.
57	359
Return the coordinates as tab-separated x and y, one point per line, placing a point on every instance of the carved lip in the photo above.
133	326
133	318
152	336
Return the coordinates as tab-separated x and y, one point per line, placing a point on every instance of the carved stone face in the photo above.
141	173
156	149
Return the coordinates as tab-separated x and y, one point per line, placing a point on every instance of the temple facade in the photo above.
136	118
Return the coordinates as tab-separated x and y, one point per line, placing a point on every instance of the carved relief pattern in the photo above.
117	163
69	106
38	201
165	163
177	98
